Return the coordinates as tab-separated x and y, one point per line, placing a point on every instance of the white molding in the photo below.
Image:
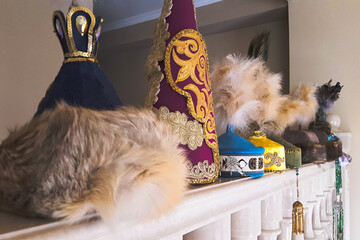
202	205
144	17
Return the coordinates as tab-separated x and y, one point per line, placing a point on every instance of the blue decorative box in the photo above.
239	157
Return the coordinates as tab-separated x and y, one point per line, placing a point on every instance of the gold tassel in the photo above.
298	221
298	218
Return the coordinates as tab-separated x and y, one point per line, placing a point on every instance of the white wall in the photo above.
237	41
125	67
324	45
30	56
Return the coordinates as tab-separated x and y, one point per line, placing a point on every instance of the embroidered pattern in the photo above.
190	132
233	164
256	163
274	159
188	51
200	171
83	27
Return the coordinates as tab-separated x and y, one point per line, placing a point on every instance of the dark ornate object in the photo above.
326	95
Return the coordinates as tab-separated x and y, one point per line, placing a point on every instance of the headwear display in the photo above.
239	157
248	96
72	160
274	155
326	95
80	81
318	144
180	89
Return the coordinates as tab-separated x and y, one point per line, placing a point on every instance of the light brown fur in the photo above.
248	95
300	107
123	164
244	91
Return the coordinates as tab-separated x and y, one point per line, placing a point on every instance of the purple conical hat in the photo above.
178	71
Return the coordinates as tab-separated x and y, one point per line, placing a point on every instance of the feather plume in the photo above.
248	95
327	94
124	164
259	46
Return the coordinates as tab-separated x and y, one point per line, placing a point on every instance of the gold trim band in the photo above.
78	54
197	173
80	60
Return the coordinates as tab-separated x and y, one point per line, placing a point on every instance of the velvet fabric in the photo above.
81	84
231	143
182	17
292	153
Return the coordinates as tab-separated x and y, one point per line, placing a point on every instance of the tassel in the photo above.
298	218
298	221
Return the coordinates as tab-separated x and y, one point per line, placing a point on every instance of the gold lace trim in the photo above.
197	173
77	54
79	59
157	54
293	151
190	132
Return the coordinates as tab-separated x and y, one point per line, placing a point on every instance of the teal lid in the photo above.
232	144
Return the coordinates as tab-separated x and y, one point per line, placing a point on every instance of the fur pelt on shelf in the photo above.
124	164
248	95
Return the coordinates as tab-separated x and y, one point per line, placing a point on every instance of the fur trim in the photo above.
124	164
247	95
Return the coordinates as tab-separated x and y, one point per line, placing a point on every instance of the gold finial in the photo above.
258	133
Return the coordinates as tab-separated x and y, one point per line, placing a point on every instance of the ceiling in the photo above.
122	13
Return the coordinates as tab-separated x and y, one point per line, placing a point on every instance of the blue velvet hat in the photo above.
239	157
80	81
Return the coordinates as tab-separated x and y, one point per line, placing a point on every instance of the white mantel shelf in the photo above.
202	206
